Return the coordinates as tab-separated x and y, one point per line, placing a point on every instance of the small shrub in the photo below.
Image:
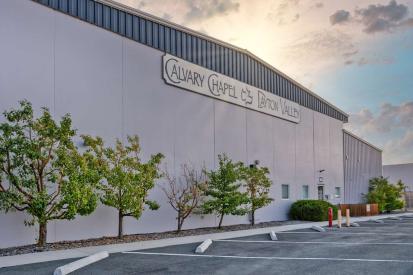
388	196
311	210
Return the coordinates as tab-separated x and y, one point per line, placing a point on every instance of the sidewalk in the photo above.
114	248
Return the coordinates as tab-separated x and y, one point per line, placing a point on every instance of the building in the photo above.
119	71
362	161
403	172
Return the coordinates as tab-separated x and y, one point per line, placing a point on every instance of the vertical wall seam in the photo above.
123	92
314	166
54	90
329	183
54	64
344	168
295	161
246	135
214	125
273	154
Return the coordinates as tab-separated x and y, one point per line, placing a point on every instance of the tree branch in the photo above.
12	178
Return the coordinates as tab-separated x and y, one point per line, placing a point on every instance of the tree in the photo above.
127	180
184	193
223	190
258	185
386	195
42	172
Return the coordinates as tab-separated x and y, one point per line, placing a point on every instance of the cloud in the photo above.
390	117
349	54
281	14
376	18
296	18
199	10
407	23
323	44
364	60
339	17
399	150
392	124
318	5
375	60
167	16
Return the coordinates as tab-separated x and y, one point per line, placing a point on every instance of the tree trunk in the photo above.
179	223
220	220
42	235
120	225
253	217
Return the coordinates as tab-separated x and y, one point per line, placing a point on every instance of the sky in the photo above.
356	54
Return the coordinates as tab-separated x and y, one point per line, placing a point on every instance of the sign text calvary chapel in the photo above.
183	74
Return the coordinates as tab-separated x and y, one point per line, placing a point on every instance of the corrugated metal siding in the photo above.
191	48
361	163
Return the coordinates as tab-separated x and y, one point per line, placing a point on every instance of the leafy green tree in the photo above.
223	190
258	185
127	180
386	195
42	173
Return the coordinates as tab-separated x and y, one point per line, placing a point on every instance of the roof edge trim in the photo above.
222	43
362	140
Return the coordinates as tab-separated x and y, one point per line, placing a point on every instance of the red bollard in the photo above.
330	217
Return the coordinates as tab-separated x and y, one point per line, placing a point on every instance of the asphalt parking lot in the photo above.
372	248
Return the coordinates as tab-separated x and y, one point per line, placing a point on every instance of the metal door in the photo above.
320	189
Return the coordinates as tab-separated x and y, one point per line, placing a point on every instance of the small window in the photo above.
305	192
285	191
337	193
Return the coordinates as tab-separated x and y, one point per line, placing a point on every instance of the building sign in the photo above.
186	75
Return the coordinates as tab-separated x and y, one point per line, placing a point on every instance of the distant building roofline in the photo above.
362	140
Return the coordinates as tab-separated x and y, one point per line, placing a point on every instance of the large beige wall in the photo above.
113	87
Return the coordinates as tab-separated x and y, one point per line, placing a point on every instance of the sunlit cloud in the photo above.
339	17
390	118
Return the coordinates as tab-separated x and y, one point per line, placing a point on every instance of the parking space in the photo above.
372	248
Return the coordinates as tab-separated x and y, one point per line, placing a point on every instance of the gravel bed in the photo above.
136	237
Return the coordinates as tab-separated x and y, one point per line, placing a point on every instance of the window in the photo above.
305	192
285	192
337	193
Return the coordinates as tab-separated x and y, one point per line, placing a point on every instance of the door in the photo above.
320	189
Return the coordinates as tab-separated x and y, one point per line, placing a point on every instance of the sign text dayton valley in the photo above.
186	75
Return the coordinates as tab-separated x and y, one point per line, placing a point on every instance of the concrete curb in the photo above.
68	268
273	236
318	228
115	248
203	246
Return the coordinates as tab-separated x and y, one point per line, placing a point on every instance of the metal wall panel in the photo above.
362	162
209	54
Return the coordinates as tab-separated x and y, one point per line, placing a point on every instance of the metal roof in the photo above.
210	38
362	140
259	73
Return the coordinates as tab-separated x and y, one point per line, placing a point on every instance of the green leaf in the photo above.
43	172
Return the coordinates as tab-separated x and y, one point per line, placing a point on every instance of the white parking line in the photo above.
267	258
291	242
395	222
348	233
